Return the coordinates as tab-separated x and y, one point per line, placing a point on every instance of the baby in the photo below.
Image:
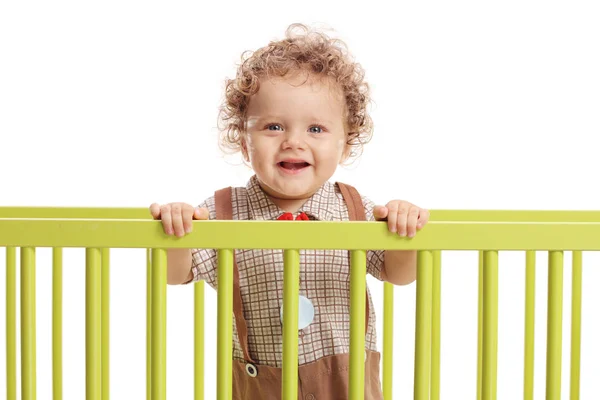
296	110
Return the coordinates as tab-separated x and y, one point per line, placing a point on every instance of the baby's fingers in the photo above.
402	220
177	217
423	218
201	213
392	217
188	214
413	215
380	212
165	214
155	210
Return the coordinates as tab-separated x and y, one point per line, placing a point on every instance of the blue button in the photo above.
306	312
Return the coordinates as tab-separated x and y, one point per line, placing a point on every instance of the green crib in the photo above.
100	229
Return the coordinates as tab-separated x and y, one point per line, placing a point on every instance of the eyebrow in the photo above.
266	118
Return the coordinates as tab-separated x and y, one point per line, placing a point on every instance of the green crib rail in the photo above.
99	229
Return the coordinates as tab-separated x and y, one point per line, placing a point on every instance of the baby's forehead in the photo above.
295	94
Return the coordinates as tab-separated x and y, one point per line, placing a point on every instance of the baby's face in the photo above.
295	135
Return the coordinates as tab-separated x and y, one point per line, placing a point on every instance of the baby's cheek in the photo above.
253	151
341	147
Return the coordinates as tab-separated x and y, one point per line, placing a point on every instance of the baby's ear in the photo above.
244	147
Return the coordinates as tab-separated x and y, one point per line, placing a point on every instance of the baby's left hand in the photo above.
402	217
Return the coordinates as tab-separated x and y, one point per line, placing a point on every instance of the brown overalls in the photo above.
324	379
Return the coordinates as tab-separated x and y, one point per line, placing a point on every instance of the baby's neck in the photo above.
291	205
288	205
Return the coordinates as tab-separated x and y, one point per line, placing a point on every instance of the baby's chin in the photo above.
290	190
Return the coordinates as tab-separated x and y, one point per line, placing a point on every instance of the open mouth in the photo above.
293	166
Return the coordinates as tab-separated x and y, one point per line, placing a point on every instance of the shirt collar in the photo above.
317	207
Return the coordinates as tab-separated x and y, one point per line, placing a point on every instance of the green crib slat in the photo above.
576	325
291	284
159	324
358	282
480	328
28	332
423	325
105	340
554	344
148	323
529	324
388	340
93	319
11	324
435	325
199	340
57	322
224	323
490	325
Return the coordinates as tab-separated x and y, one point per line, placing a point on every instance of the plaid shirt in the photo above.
324	279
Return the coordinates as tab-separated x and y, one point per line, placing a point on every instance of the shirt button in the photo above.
251	370
310	396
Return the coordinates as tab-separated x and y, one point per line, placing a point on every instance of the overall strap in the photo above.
224	211
356	212
356	208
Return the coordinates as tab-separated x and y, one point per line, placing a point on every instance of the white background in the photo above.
479	105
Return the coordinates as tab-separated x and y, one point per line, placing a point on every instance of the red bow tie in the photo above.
289	217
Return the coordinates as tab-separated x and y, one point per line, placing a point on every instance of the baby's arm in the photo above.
179	266
405	219
399	267
177	219
396	267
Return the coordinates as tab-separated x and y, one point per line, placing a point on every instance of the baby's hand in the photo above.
402	217
177	217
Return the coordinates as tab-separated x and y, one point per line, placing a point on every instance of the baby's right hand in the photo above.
177	217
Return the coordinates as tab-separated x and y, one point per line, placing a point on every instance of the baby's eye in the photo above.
316	129
273	127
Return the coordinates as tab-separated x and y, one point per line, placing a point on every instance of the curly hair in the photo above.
302	49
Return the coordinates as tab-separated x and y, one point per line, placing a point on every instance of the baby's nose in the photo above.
294	139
